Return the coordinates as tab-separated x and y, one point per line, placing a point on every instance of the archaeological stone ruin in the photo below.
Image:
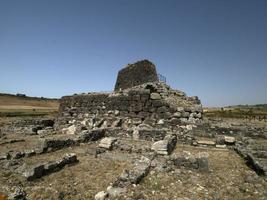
139	99
144	140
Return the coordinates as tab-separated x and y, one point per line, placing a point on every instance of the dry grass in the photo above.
236	112
225	180
8	100
12	106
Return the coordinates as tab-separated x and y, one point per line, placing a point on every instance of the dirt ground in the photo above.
78	181
229	178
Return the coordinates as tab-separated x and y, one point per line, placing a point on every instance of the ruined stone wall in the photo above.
154	104
136	74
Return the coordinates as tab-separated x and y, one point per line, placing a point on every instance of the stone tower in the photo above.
136	74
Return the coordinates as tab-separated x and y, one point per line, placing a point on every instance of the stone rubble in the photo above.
37	171
18	194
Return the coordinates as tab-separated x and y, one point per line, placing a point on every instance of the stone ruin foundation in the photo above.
143	121
149	104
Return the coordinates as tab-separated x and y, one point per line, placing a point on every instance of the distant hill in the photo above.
20	104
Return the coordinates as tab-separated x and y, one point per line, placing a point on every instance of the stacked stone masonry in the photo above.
153	104
136	74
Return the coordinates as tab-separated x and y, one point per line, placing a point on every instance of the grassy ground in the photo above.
14	106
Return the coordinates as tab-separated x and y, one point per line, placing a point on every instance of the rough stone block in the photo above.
92	135
136	74
107	143
229	140
155	96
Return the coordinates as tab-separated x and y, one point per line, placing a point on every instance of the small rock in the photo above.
34	172
221	146
18	194
101	195
155	96
177	114
5	156
206	142
161	122
114	192
229	140
18	154
70	130
41	132
136	134
116	112
161	147
107	143
29	153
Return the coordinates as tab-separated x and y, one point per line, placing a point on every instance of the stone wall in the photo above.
136	74
153	104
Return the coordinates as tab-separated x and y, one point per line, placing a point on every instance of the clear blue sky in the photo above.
215	49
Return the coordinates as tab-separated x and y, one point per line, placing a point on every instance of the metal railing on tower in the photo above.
162	78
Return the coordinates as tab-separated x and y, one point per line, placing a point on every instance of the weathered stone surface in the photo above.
229	140
136	134
5	156
92	135
161	147
135	175
107	143
34	172
151	134
251	160
166	146
160	122
17	154
18	194
115	192
29	153
145	103
39	170
206	142
70	130
155	96
221	146
47	145
102	195
136	74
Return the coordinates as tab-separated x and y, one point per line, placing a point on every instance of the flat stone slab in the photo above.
229	140
37	171
206	142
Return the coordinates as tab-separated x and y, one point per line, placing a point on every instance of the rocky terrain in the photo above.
143	141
